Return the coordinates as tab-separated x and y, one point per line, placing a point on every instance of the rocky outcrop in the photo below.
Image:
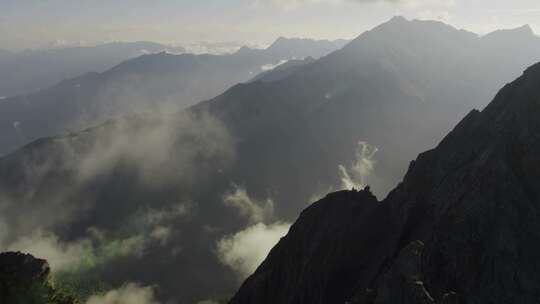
462	227
25	280
314	249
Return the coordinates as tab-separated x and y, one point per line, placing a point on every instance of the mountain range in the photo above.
23	72
172	199
153	82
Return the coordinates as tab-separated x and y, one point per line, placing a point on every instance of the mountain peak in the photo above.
398	19
522	31
526	29
394	22
424	34
244	49
280	39
283	42
400	25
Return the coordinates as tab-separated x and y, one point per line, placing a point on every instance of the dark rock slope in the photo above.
462	227
25	280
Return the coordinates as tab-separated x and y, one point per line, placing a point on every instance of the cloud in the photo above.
162	234
165	149
406	4
82	236
169	150
255	211
82	254
244	251
146	219
270	66
128	294
147	228
296	3
45	245
356	177
320	194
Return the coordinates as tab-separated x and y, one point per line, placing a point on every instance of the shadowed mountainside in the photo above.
462	227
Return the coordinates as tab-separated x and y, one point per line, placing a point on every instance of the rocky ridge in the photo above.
462	227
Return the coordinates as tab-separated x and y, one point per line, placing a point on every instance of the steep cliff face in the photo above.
25	280
314	249
462	227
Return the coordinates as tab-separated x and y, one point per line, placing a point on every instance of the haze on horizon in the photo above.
51	23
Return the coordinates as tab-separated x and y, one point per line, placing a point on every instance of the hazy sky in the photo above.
38	23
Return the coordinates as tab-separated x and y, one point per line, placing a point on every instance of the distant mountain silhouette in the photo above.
30	70
462	227
399	87
293	46
150	82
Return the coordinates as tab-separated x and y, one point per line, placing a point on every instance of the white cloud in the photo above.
149	228
59	255
161	234
435	9
83	253
164	149
255	211
128	294
356	176
244	251
270	66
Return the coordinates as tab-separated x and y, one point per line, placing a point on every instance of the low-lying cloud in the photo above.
356	176
244	251
83	254
164	148
160	151
128	294
149	227
84	234
255	211
46	245
271	66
